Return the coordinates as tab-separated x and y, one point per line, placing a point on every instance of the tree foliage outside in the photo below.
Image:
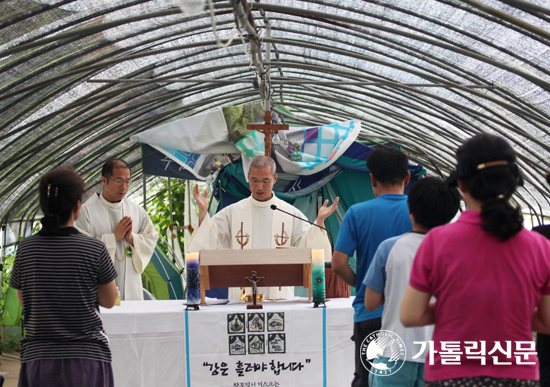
158	206
7	262
8	257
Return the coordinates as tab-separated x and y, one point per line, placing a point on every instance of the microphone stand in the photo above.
327	264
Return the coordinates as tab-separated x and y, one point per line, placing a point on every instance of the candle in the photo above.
193	279
318	275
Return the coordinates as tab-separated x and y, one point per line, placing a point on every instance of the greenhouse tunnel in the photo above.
78	78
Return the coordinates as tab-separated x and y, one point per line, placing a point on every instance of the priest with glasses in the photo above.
252	223
123	226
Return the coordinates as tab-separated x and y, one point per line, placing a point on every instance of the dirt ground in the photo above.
10	366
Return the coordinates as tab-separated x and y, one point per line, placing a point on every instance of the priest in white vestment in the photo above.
123	226
252	224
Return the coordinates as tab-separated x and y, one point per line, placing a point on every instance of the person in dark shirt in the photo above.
61	277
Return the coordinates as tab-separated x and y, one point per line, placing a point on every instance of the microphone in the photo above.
275	208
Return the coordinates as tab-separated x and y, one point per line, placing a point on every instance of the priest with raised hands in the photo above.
124	227
252	223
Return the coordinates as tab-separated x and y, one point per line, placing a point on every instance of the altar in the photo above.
287	343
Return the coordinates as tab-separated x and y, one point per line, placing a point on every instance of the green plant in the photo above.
159	207
7	262
7	265
10	342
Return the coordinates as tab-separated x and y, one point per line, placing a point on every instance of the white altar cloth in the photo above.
149	343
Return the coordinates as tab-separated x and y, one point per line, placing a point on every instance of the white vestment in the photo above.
255	225
98	218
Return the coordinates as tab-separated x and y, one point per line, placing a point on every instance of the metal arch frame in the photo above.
68	155
219	6
456	105
450	67
493	14
81	101
409	122
534	9
451	47
381	110
105	42
527	161
103	112
541	188
332	50
388	96
376	126
447	109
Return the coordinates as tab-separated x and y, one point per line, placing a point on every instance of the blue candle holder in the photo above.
193	281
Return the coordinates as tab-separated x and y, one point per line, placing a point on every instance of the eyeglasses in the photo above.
263	181
120	182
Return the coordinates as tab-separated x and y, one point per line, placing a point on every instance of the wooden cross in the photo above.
267	129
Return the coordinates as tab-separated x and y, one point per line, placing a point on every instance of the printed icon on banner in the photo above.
237	345
275	321
256	322
384	351
256	344
276	343
235	323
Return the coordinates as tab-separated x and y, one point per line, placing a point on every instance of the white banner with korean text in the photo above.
256	348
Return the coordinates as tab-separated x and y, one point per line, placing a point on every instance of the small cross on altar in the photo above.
254	281
267	129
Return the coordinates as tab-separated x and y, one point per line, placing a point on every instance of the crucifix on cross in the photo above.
267	129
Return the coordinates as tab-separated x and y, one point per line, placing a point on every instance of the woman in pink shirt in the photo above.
489	275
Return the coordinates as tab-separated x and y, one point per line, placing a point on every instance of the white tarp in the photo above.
199	143
204	133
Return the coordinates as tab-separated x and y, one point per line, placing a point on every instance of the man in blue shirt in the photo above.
364	227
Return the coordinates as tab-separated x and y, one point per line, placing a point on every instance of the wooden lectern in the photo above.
279	267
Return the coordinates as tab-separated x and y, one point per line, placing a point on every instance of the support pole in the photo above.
144	192
269	101
171	225
4	232
170	200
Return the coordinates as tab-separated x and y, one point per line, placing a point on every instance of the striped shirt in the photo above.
58	276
